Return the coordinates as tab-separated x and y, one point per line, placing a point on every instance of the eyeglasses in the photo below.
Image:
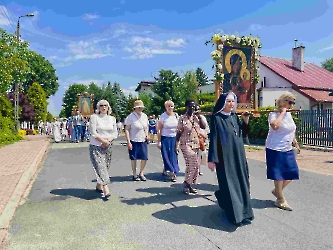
291	103
103	105
171	107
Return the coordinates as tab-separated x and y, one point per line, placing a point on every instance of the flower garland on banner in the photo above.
230	40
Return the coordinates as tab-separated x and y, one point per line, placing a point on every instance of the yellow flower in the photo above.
216	38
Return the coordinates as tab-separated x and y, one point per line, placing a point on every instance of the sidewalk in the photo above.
317	161
18	164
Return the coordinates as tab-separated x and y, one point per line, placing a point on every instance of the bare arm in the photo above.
275	124
159	132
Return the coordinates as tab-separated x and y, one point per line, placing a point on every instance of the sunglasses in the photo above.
171	107
103	105
291	103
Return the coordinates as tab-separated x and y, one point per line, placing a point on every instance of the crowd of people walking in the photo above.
218	145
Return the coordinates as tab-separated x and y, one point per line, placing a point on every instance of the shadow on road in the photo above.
149	176
210	216
84	194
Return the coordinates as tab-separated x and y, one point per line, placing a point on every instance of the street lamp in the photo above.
16	100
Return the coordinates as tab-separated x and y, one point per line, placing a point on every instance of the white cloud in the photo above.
256	27
130	90
326	48
89	16
175	43
145	47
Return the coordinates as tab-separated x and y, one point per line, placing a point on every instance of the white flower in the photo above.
220	46
219	66
249	42
238	40
224	38
232	37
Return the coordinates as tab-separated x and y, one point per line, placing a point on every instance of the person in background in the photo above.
203	154
56	130
69	128
187	139
103	132
226	155
77	123
73	132
152	128
137	137
84	127
119	127
281	163
166	134
40	127
87	134
63	126
45	128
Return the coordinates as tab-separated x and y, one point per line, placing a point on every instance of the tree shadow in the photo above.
150	176
210	216
80	193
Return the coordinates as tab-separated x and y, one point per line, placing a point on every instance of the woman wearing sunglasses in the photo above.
103	131
280	157
166	134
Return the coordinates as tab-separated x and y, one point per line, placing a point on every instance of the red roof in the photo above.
315	82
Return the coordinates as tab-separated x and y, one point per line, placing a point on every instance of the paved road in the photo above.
64	212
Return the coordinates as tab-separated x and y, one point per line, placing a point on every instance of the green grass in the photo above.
253	148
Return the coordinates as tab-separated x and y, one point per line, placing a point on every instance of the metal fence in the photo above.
315	127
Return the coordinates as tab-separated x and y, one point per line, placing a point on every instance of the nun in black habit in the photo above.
226	154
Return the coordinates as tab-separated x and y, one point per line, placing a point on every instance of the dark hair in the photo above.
234	58
188	102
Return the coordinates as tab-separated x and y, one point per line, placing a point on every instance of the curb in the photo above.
14	201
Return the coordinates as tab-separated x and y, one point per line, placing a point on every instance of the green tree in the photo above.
130	105
41	71
37	98
189	86
147	99
202	78
120	101
49	117
328	64
70	99
167	87
109	95
97	91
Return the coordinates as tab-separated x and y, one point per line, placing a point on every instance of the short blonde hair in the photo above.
99	103
288	96
168	102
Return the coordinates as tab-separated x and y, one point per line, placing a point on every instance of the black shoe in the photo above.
106	197
135	178
142	178
200	173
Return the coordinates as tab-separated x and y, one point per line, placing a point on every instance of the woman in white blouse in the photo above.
166	133
280	157
103	131
137	136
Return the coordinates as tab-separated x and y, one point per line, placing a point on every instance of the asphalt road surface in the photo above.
63	211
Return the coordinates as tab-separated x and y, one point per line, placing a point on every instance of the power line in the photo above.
5	15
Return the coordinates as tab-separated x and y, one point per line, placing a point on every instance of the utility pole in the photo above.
16	101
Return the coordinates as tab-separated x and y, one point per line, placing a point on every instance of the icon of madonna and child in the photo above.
237	74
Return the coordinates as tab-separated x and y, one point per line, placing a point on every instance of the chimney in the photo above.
298	58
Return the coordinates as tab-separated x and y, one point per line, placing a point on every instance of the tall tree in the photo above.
41	71
167	87
70	98
130	104
37	98
328	64
147	99
97	91
120	101
189	86
108	94
202	78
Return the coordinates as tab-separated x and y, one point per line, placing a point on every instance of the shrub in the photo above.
205	98
35	132
29	131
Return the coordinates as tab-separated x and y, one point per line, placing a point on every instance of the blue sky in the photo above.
131	40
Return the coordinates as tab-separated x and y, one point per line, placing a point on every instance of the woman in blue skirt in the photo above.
166	133
137	136
280	158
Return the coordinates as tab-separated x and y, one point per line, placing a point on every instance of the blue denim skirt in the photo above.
281	165
139	151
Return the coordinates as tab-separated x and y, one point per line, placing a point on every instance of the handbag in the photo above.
201	139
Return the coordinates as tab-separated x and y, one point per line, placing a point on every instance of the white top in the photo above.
281	139
119	125
170	124
103	126
138	126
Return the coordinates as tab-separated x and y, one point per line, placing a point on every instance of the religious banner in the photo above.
85	104
235	68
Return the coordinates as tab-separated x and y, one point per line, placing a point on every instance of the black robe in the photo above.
226	149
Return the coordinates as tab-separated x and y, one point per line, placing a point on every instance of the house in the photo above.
144	86
310	83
